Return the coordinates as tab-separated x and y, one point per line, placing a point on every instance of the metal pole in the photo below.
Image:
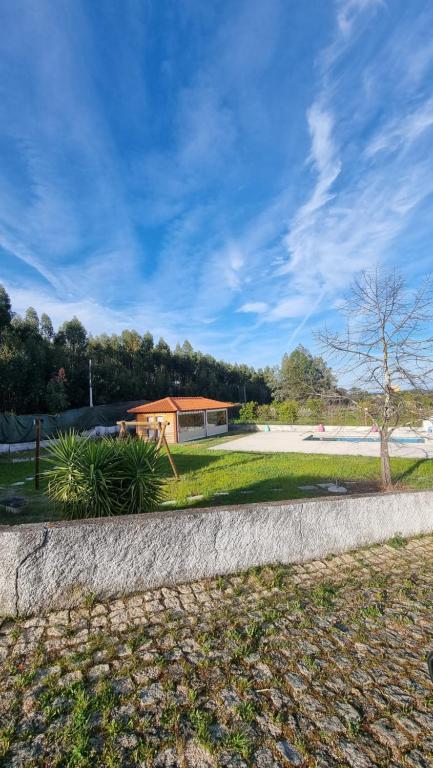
37	452
90	385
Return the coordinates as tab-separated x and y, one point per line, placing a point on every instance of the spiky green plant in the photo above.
84	476
141	484
98	478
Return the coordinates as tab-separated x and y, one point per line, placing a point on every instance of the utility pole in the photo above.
90	385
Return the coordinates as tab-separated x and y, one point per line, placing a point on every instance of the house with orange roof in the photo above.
186	418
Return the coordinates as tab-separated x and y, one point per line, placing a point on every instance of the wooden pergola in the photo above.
158	428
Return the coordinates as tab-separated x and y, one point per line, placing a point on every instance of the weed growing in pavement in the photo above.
201	721
238	742
246	711
397	542
322	595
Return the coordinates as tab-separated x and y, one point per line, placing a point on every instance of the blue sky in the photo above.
216	170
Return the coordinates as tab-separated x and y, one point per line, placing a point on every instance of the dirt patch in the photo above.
372	486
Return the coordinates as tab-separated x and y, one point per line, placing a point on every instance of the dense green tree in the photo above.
5	308
124	367
25	364
56	398
301	376
71	342
75	335
46	327
32	318
186	348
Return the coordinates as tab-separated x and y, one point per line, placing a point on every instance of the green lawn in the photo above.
244	477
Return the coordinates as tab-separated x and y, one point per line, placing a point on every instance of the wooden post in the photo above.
122	431
161	436
163	440
37	452
170	457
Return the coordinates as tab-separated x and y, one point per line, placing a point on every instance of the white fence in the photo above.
18	447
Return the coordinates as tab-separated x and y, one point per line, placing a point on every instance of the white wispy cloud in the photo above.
403	130
235	204
327	165
296	306
257	307
356	210
348	12
9	243
62	152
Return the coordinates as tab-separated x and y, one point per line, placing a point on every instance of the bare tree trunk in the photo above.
385	465
384	434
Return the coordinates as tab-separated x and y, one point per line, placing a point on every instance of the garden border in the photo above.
55	565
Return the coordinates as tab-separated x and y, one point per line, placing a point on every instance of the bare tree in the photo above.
387	348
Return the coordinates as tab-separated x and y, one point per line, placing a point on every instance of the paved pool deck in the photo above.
295	442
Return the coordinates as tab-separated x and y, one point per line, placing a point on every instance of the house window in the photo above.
217	418
191	421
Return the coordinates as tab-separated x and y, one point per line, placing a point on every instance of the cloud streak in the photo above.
357	208
403	131
203	185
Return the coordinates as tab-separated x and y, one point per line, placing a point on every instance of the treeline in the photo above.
47	370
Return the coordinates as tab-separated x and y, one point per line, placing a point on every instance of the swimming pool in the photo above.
364	439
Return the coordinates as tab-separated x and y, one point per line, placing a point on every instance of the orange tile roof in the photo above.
173	404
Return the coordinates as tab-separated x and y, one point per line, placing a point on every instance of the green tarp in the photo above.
21	429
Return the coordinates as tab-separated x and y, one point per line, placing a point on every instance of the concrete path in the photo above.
295	442
320	665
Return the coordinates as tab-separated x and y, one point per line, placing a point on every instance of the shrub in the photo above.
248	411
104	477
315	407
264	413
288	411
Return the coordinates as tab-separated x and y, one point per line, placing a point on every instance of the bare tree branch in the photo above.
388	344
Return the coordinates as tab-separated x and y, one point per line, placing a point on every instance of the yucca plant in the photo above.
141	486
104	477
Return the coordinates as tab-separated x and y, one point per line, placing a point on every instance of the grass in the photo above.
397	542
241	477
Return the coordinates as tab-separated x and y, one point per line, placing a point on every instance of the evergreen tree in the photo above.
72	339
57	399
5	308
301	376
187	349
74	334
32	318
125	367
46	327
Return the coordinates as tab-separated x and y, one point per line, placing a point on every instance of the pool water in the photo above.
364	439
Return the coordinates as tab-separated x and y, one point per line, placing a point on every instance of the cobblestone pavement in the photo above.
315	665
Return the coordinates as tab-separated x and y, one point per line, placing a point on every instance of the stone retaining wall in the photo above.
55	565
